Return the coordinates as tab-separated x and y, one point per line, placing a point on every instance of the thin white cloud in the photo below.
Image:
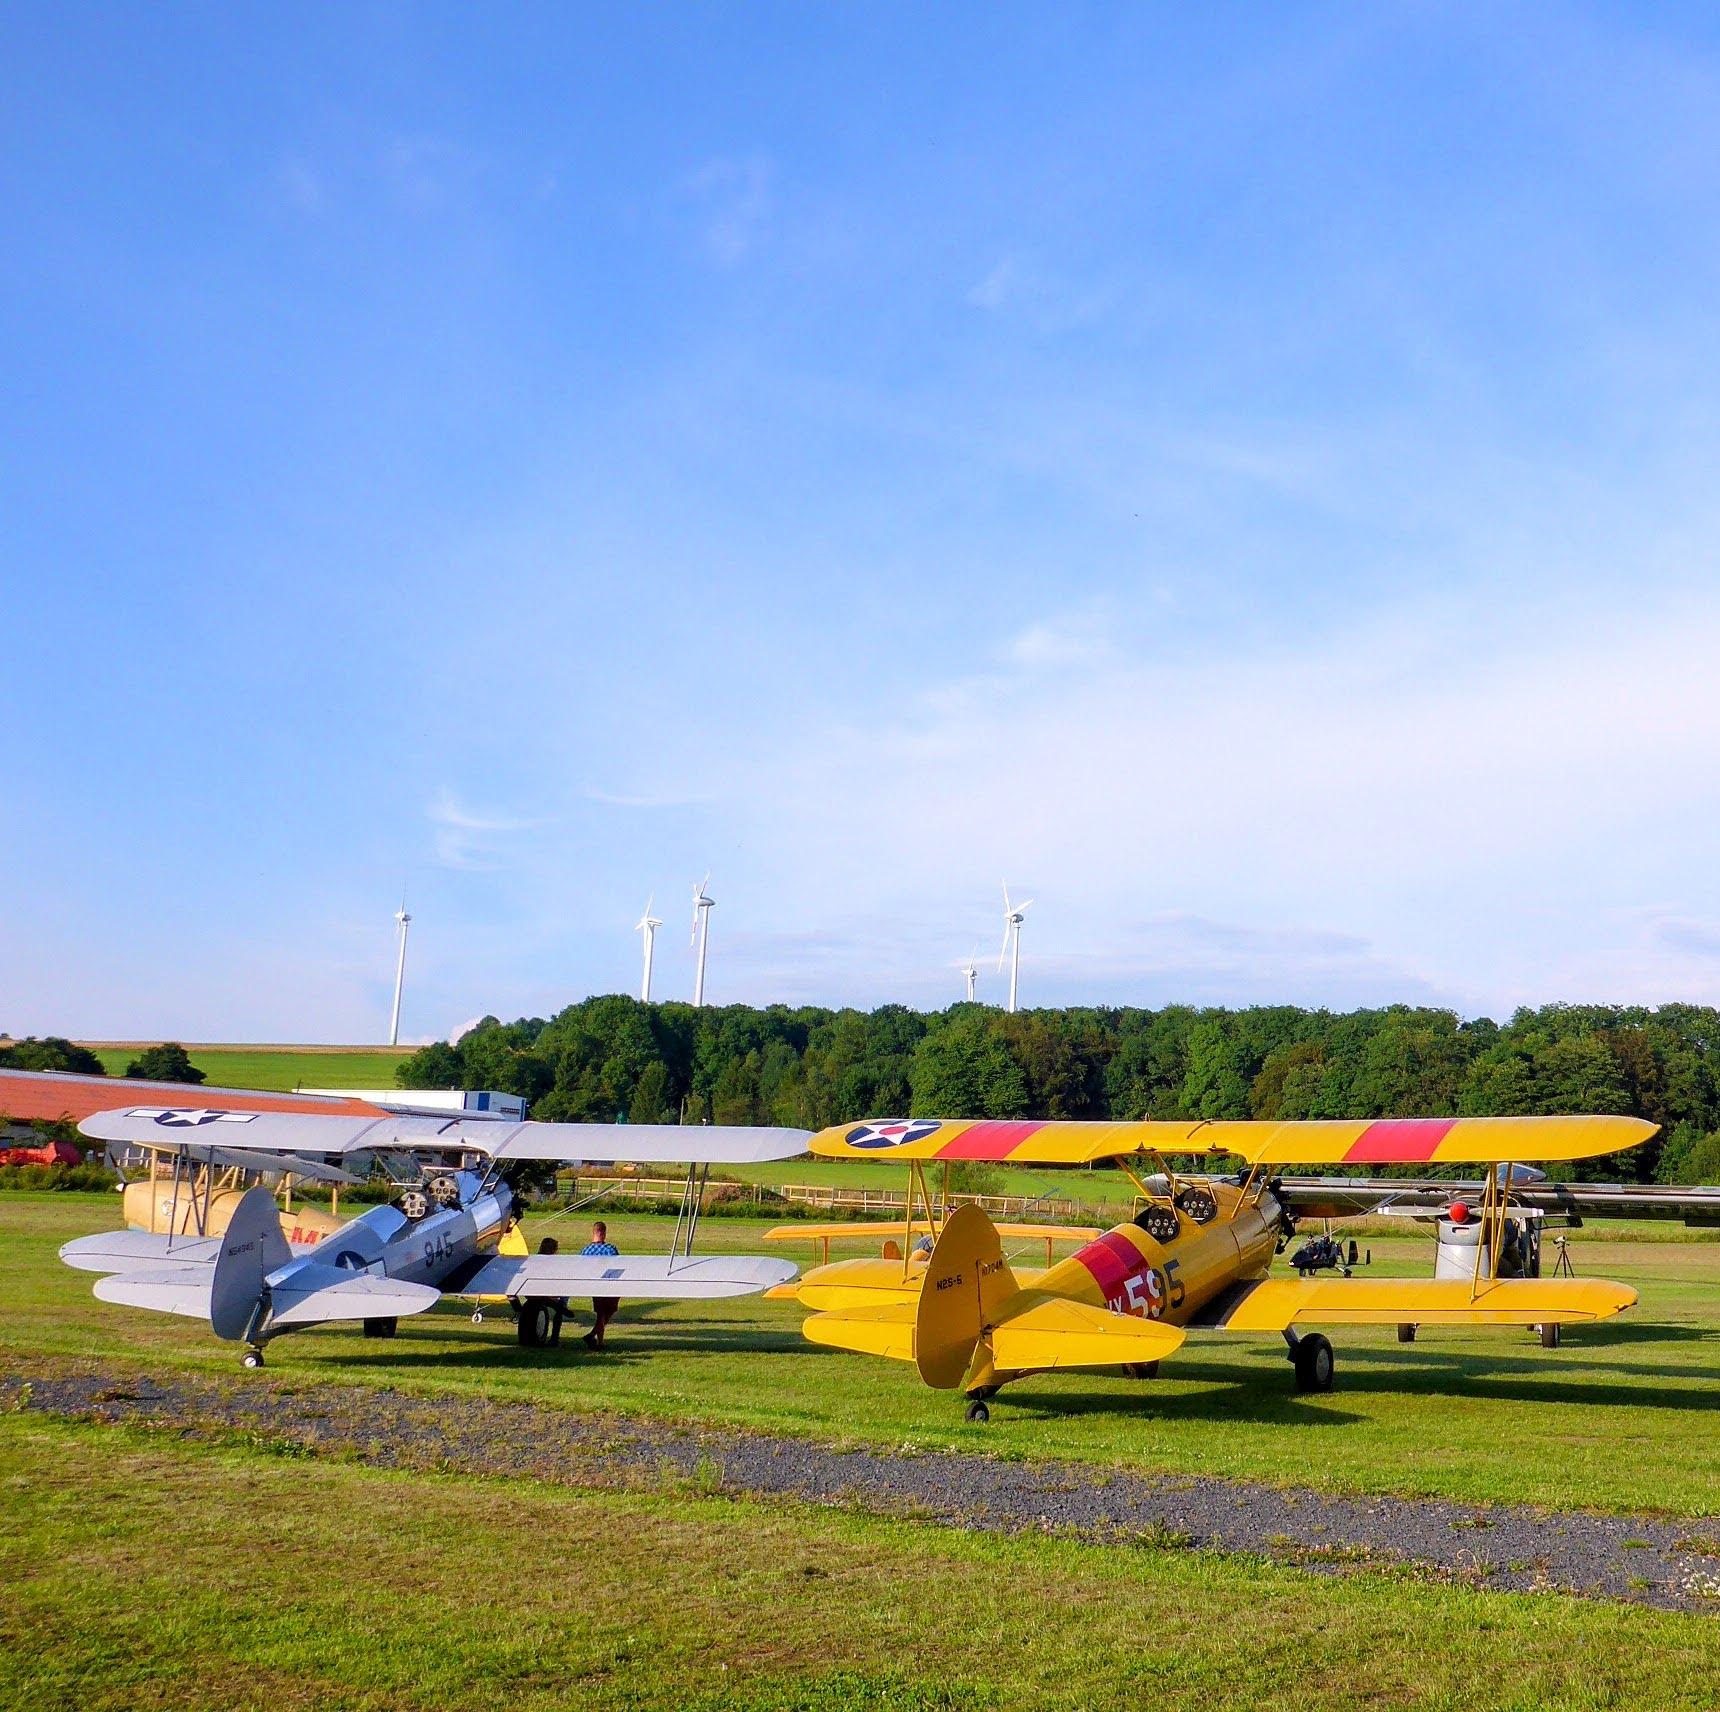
473	842
734	200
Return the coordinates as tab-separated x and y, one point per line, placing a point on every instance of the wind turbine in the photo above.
405	921
1011	948
702	907
647	924
970	973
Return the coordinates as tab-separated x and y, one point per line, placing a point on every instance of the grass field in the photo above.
280	1069
1620	1418
144	1572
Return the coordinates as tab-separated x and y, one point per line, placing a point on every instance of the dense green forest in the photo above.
613	1058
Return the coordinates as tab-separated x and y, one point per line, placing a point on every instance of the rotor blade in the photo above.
1003	950
1022	907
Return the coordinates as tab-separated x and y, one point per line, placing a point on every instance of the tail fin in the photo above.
967	1281
251	1248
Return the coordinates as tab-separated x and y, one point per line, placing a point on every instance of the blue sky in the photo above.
1244	474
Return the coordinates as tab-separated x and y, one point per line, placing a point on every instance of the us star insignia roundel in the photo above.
897	1134
185	1117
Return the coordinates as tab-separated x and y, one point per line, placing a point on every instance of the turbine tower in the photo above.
647	924
969	973
1012	919
405	921
702	907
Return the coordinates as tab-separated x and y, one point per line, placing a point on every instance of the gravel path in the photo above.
1669	1563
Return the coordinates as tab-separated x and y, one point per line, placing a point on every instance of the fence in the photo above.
882	1202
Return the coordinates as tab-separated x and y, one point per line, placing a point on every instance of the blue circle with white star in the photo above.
898	1134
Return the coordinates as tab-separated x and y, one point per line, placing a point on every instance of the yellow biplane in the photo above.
1196	1256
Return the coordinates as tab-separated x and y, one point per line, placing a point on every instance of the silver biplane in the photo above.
438	1236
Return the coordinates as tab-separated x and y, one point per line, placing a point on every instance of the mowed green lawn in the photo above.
143	1571
281	1069
1620	1418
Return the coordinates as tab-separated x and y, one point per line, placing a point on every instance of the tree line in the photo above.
613	1058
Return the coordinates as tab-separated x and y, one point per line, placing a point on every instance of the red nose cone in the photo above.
1459	1213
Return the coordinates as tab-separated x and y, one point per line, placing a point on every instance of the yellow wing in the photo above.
1279	1303
1363	1141
1047	1332
1052	1331
883	1330
879	1230
845	1284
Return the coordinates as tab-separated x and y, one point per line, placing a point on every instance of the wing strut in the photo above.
687	1218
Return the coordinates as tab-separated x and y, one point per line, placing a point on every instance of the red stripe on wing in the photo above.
993	1139
1398	1141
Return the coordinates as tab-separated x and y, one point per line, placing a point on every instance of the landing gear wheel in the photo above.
477	1316
1313	1359
1142	1370
1406	1334
978	1412
381	1328
252	1358
1550	1337
536	1323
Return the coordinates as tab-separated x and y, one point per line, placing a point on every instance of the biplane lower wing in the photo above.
1277	1304
652	1276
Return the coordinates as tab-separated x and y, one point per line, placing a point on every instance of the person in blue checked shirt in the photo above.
602	1307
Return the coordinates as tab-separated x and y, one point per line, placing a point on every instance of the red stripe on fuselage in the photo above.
1112	1260
994	1139
1398	1141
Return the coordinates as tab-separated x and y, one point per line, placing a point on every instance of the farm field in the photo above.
280	1069
1620	1418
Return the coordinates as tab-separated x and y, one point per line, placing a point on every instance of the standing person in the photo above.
602	1307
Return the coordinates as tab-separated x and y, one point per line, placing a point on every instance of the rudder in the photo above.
966	1281
251	1248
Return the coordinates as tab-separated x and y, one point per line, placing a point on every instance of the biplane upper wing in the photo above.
1429	1197
1276	1304
249	1133
1370	1141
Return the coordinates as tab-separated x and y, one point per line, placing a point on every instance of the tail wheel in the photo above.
1406	1334
1313	1359
381	1328
535	1324
977	1411
1550	1337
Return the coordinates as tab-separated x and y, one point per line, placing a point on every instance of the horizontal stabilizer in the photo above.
1279	1303
1051	1331
639	1277
132	1251
166	1289
884	1330
315	1295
